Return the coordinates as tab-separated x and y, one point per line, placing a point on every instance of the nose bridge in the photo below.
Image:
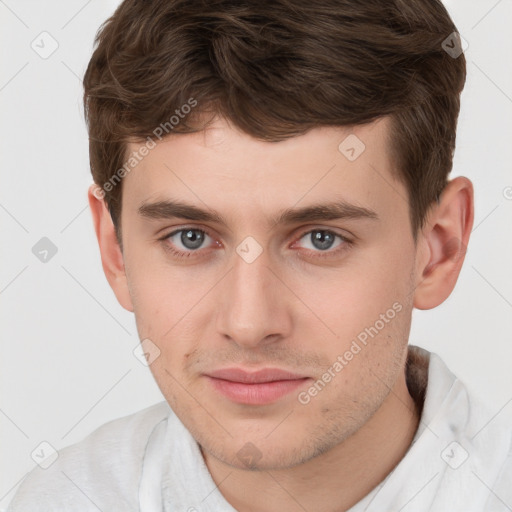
250	310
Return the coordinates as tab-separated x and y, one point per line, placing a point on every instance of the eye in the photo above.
183	242
323	241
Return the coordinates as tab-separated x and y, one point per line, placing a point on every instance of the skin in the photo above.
295	307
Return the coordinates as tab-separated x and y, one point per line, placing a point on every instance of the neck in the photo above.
335	480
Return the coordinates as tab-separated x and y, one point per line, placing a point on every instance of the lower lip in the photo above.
256	394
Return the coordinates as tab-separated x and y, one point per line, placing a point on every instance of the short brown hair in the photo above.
275	69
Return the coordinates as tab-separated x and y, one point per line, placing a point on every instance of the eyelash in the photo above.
345	245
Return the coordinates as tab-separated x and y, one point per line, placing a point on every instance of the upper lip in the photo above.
254	377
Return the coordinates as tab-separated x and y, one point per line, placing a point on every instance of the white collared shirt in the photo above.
459	460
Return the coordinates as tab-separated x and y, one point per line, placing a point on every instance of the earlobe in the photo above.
445	238
111	255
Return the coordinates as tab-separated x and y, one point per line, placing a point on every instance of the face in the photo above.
274	284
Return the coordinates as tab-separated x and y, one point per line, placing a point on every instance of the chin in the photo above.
267	455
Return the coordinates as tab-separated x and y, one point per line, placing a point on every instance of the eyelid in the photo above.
345	241
178	229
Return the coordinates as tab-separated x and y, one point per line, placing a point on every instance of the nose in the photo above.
253	308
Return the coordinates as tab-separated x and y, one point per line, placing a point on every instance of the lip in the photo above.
259	387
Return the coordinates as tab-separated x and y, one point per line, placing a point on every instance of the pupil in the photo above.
322	239
192	239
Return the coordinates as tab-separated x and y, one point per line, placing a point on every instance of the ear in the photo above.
442	244
111	255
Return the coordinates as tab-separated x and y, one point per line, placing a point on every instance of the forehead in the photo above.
223	168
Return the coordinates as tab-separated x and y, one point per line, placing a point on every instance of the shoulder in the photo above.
102	471
478	436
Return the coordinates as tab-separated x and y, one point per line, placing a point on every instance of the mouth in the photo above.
261	387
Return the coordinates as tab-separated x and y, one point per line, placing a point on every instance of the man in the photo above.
271	201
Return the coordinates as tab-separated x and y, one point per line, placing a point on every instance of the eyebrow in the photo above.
170	209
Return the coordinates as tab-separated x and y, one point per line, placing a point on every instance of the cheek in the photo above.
367	307
363	365
172	310
348	299
162	293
